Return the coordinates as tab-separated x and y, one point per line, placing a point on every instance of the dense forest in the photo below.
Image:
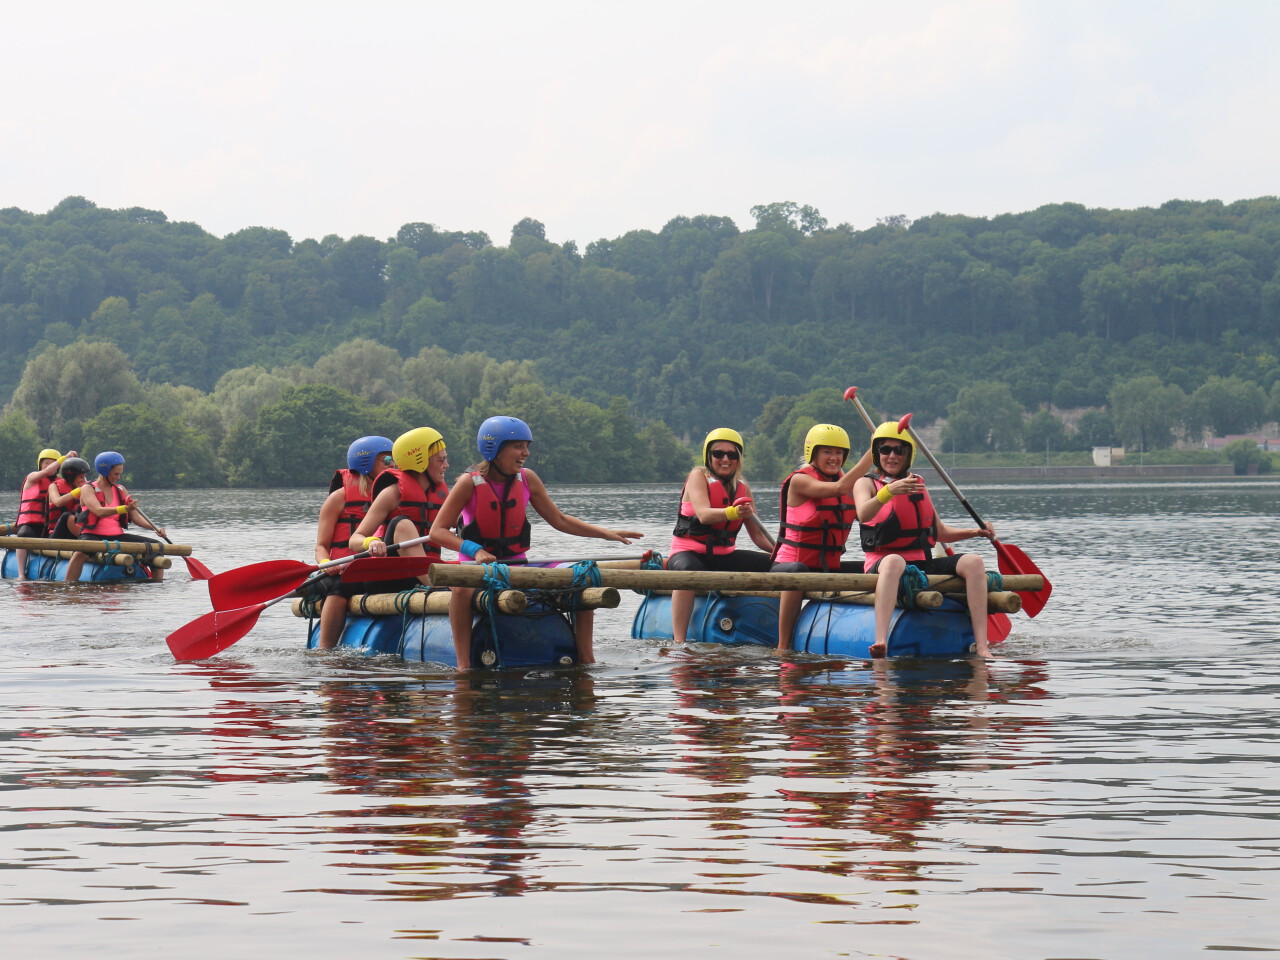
253	359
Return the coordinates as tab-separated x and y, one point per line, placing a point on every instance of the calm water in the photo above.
1108	789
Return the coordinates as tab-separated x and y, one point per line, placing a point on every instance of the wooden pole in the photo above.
459	575
511	602
96	546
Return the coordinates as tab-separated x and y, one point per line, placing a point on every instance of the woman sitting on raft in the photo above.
33	507
817	514
107	508
349	499
714	504
899	525
406	499
491	500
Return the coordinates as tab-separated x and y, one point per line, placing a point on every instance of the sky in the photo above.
597	118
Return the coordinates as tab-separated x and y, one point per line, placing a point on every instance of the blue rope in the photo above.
912	582
655	561
995	581
497	577
586	573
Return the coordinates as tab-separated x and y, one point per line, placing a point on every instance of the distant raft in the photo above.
106	561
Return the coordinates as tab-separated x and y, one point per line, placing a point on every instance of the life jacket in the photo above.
905	525
63	487
111	524
498	522
34	506
418	505
814	533
692	534
355	504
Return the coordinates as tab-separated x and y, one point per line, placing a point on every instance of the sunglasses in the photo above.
724	454
893	450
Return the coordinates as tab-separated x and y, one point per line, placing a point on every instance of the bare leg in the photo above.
21	556
460	600
975	591
788	613
74	566
584	622
890	571
333	616
681	611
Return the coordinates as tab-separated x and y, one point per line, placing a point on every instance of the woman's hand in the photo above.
620	536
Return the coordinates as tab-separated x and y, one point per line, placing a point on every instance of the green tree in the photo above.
298	440
1246	456
1227	405
985	416
1045	432
75	382
1146	412
19	444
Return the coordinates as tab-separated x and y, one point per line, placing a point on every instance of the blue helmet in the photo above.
104	461
362	455
496	431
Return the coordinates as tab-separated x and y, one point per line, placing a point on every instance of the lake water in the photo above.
1107	789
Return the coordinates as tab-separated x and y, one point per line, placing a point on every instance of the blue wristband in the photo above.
470	548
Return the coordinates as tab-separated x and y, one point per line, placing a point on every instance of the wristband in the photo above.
884	495
75	492
61	458
369	540
470	548
122	509
731	513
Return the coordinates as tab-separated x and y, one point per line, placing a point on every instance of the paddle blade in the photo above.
197	569
1012	560
385	568
257	583
998	627
211	634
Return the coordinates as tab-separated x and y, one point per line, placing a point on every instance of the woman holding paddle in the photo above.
899	525
491	500
107	508
817	515
714	504
33	508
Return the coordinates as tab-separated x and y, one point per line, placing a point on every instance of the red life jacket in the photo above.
815	531
55	512
418	505
355	504
498	522
112	524
34	506
905	525
690	533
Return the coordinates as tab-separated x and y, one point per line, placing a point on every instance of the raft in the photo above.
510	627
98	567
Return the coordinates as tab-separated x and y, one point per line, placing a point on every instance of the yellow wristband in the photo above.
122	509
75	492
61	458
884	495
369	540
731	513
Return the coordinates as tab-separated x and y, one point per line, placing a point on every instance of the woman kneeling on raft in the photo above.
898	526
107	508
714	504
491	499
817	515
406	499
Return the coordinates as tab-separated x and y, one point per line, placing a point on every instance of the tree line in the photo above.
1046	327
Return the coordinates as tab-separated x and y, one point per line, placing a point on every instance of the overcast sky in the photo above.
602	117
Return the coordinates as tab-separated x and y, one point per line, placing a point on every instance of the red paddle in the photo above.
1010	559
215	631
259	582
195	568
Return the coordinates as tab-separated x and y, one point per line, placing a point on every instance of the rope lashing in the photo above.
497	577
912	582
654	561
995	581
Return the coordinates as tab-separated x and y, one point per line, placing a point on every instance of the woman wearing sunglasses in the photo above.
899	525
817	514
714	504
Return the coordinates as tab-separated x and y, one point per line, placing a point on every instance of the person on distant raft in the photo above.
33	508
898	525
817	514
64	498
349	499
106	509
491	499
406	499
714	504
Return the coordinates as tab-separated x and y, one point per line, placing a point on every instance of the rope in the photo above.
995	581
497	577
912	582
655	561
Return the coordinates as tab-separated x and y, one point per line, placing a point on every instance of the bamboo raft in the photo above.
105	560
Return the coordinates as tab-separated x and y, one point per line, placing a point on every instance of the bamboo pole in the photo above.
512	602
458	575
96	546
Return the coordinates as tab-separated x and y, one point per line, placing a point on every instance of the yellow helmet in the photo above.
721	433
825	435
48	453
412	450
889	430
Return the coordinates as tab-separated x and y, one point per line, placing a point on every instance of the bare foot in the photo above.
879	649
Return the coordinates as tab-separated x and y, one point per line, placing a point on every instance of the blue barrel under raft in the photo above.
47	565
826	627
540	635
